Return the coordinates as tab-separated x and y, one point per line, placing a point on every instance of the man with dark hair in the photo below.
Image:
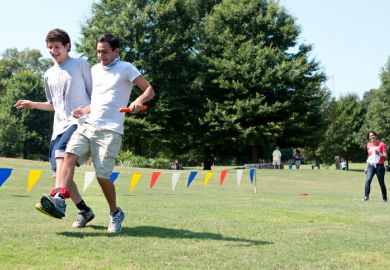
68	85
101	133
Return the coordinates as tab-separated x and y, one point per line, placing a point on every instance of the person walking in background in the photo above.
68	85
276	158
377	154
337	161
102	131
297	158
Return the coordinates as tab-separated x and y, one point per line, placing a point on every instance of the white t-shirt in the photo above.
67	86
112	87
276	155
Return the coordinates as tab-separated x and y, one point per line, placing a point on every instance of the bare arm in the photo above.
28	104
147	94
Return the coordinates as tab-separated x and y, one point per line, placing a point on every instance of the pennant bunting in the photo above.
4	174
239	177
252	172
33	177
207	177
175	179
88	179
114	176
155	176
191	177
223	175
134	181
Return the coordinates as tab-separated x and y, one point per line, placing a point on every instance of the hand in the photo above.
79	112
135	106
24	104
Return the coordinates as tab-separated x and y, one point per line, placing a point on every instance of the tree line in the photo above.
231	78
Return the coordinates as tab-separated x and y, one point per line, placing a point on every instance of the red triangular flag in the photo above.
155	175
223	175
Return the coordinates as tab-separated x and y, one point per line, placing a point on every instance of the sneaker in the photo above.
365	199
384	200
39	207
83	217
115	223
54	206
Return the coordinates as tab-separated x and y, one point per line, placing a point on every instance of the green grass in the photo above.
202	227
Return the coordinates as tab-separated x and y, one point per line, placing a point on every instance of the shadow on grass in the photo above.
161	232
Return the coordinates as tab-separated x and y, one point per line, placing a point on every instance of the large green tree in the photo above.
378	109
346	117
159	37
24	133
13	61
263	86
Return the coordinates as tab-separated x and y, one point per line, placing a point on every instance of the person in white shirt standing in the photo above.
101	133
276	158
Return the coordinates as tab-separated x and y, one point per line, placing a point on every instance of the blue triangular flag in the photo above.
252	172
114	176
4	174
191	178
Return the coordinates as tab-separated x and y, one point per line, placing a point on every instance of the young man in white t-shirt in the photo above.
68	86
101	133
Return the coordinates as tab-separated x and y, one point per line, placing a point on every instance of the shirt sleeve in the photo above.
86	73
133	73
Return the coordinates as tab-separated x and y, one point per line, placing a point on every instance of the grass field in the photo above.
201	227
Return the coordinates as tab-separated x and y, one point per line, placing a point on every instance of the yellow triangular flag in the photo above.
33	178
134	181
207	177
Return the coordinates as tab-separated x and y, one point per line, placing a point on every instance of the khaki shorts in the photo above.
276	162
103	144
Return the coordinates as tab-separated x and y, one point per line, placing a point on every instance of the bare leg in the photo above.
108	188
67	174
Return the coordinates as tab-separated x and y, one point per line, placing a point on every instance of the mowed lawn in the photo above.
298	219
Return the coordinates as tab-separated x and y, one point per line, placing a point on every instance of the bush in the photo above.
128	159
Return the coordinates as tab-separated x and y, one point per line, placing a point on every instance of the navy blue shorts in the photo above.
59	144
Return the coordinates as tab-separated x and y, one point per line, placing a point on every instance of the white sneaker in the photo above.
83	217
115	221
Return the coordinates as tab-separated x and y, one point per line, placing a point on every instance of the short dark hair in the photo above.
371	132
110	39
60	36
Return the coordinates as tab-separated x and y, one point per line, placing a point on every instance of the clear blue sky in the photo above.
350	37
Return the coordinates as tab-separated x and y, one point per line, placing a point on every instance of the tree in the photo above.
158	37
13	61
24	133
346	117
264	87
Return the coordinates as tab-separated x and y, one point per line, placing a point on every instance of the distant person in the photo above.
337	162
343	164
290	164
68	85
297	159
316	164
276	158
377	154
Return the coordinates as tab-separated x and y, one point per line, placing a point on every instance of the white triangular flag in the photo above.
175	179
239	177
88	179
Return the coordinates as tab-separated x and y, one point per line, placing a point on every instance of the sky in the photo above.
350	38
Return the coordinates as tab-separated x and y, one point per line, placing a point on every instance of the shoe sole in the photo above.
39	208
79	227
50	208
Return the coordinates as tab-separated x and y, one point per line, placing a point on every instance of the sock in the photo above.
82	206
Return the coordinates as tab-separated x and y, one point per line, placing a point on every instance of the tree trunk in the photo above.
254	153
207	165
137	146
